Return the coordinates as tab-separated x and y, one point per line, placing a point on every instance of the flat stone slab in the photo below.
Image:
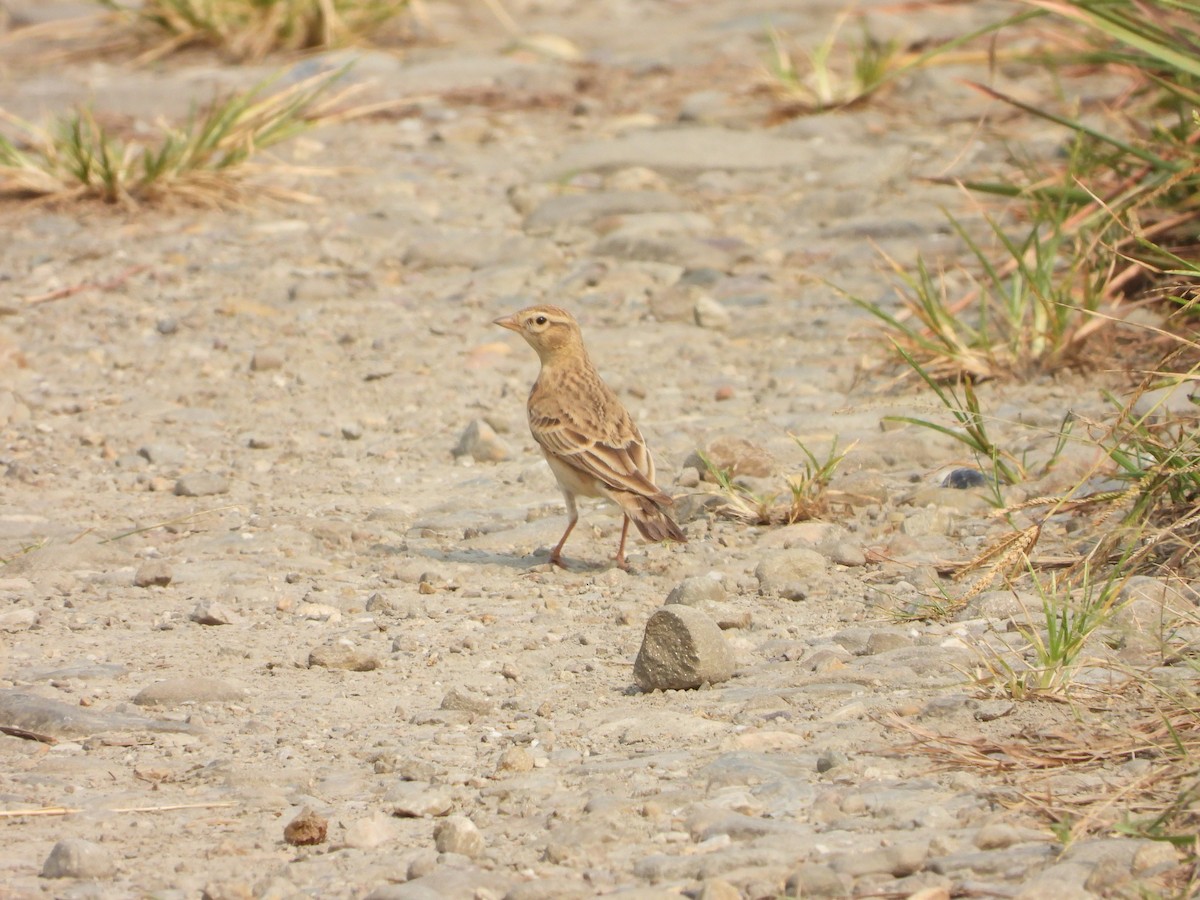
689	150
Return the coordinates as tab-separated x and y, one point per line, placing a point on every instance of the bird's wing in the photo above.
618	458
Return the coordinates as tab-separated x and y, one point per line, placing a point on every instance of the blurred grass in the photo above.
247	30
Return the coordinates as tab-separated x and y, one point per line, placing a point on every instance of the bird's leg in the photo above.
620	558
572	518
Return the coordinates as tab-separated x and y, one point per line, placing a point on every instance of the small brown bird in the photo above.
587	437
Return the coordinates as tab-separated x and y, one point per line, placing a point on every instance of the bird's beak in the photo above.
509	322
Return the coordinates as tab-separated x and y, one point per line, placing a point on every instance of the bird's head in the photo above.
550	330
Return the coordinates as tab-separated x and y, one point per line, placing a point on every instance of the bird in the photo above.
589	439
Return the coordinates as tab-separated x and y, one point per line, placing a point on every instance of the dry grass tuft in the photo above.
202	162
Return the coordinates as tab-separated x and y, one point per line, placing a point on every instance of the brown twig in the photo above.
27	735
111	285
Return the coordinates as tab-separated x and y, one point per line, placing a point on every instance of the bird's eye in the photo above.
540	320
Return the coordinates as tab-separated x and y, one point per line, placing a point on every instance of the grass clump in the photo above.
1107	227
202	161
808	492
821	84
251	29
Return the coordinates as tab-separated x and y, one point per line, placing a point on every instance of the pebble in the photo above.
962	478
781	571
266	359
419	800
997	836
338	653
467	701
352	431
515	759
902	859
78	858
480	441
152	573
194	689
712	314
682	648
369	833
697	590
201	484
718	889
306	829
213	612
458	834
815	880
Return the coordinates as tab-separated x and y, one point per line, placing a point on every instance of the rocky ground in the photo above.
275	530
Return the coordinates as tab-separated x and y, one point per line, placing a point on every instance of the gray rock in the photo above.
883	641
997	836
897	861
152	573
777	575
201	484
480	441
963	478
458	834
831	759
844	553
815	880
339	654
66	720
682	648
422	864
195	689
77	858
213	612
352	431
931	520
696	591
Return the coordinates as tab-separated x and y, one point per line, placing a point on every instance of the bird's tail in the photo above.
650	518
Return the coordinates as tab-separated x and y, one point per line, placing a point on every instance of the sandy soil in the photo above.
242	552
